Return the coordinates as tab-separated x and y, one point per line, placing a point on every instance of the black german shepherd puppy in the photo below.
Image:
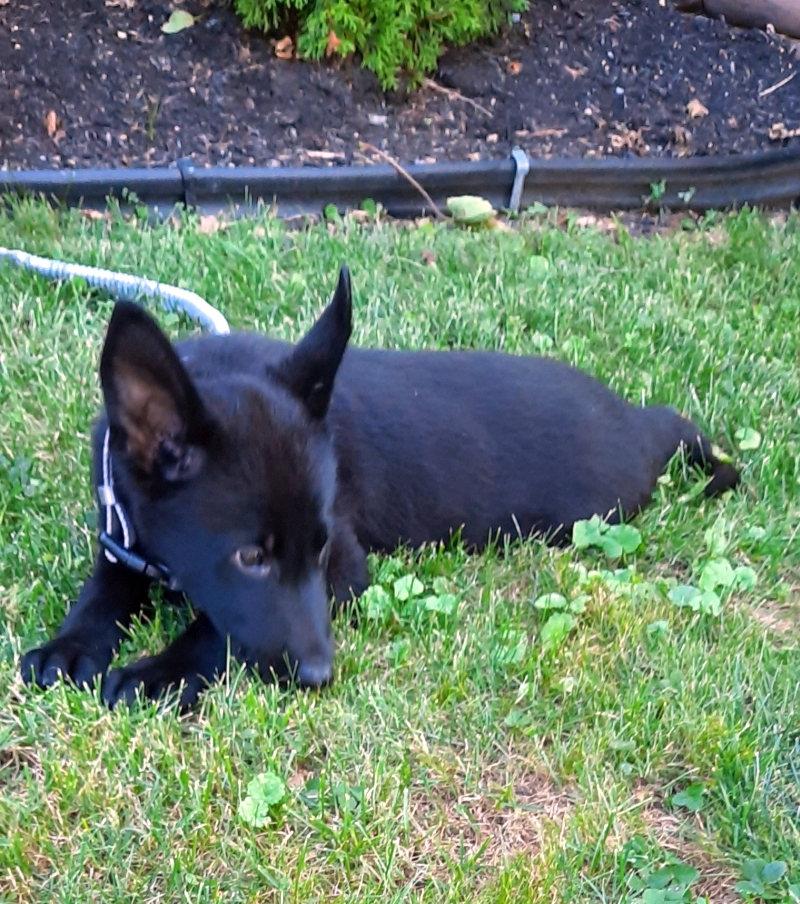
244	478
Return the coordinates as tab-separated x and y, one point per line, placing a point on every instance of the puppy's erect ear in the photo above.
150	396
309	371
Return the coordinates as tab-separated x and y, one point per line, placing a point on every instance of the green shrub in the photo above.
391	36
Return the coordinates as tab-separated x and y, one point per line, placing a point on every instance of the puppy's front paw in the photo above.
62	658
153	679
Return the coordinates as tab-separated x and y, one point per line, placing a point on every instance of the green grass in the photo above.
457	757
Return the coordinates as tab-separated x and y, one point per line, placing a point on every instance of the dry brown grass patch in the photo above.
15	758
782	619
691	845
504	816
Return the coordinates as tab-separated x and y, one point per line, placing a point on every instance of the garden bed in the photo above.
104	86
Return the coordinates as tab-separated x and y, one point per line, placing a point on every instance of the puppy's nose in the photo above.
314	673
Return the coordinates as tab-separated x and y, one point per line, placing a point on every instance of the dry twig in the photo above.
780	84
455	95
405	174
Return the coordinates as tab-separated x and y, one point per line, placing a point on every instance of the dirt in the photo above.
87	83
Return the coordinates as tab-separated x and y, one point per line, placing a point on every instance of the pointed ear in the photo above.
309	371
149	395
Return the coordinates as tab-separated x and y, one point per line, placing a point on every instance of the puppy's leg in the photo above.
91	632
673	431
196	658
724	476
348	575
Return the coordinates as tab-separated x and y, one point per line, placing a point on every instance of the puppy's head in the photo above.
231	481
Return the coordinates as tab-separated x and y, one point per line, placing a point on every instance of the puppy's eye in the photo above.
252	560
251	556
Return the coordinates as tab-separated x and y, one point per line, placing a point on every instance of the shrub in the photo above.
391	36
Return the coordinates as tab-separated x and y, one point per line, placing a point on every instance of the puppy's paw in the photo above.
63	658
153	679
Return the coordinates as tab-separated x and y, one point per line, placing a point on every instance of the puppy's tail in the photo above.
702	454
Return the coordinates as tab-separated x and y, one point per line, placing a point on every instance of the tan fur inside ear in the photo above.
147	414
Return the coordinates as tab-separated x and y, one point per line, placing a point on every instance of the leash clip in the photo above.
122	553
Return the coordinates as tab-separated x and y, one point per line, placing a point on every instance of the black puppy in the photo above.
229	467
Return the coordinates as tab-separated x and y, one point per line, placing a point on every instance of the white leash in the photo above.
124	285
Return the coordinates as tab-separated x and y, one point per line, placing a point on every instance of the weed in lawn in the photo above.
466	751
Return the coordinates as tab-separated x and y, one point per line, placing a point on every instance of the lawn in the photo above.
484	740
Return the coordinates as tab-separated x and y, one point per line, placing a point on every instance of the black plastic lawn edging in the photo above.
770	179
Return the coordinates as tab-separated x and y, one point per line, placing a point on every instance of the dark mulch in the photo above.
96	83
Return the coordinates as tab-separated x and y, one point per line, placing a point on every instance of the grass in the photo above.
458	756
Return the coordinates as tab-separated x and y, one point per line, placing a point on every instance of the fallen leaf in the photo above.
514	67
779	132
208	225
683	141
178	21
549	133
695	109
325	155
259	232
284	49
51	123
333	44
470	210
631	139
577	72
91	214
428	257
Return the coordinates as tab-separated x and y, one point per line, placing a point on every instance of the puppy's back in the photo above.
430	441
